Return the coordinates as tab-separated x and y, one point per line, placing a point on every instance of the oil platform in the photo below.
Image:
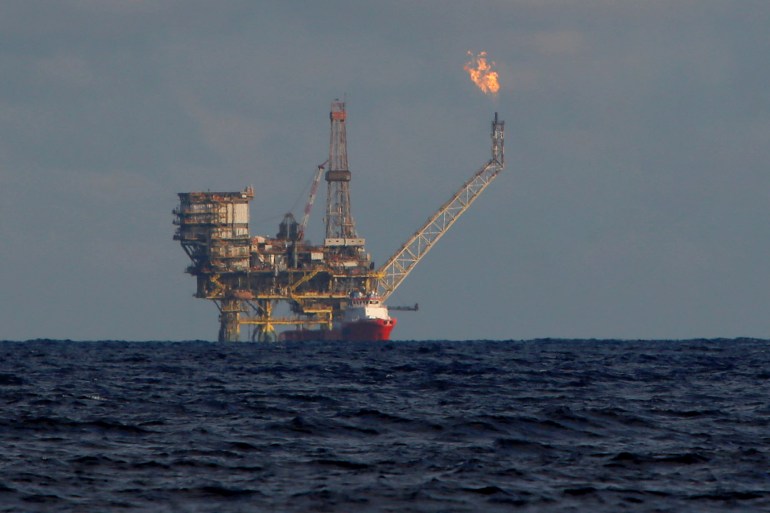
249	277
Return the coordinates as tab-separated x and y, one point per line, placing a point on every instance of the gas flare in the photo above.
481	73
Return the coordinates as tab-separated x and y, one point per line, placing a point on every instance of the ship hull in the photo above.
368	330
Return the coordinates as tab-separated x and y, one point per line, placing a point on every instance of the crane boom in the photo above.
398	266
310	200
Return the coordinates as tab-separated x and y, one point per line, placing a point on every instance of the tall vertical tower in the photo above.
340	226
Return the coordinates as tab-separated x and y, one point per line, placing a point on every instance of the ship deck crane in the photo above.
397	268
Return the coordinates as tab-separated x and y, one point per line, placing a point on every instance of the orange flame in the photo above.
482	74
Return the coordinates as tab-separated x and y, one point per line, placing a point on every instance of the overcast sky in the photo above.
634	202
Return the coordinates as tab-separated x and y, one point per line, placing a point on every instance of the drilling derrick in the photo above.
340	227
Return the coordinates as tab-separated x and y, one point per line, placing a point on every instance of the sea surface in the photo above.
474	426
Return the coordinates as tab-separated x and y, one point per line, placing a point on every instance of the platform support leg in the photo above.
229	321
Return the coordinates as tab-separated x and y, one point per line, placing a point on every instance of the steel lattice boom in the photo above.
396	269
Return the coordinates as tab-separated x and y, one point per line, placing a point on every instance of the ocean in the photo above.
418	426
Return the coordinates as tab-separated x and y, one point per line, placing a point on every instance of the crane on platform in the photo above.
310	201
397	267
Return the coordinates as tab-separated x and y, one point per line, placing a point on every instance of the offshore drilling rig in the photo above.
247	277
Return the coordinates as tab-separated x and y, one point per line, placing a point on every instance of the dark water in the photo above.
535	426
